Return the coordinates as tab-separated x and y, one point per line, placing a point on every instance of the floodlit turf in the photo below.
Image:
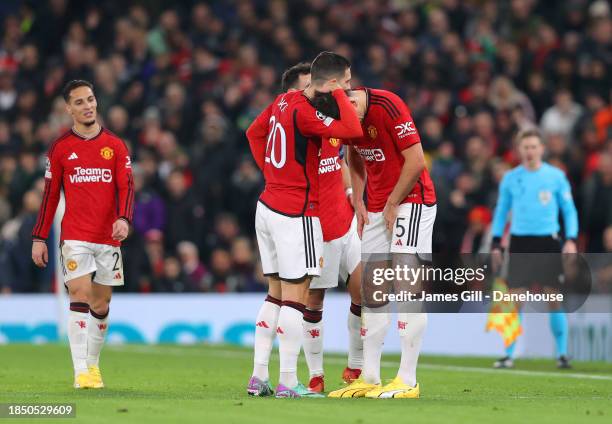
205	384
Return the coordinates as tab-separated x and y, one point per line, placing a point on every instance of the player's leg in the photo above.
77	266
79	290
375	319
411	322
355	348
265	332
109	264
313	338
290	335
351	272
411	246
267	316
313	315
374	324
552	275
560	331
99	309
299	246
375	247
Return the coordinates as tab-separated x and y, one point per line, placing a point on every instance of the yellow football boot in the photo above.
358	388
397	389
83	381
96	377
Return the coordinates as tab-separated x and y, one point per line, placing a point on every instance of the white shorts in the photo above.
412	231
291	247
80	258
340	258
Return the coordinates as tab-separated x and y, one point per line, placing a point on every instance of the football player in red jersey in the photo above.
93	167
398	219
296	78
341	258
287	225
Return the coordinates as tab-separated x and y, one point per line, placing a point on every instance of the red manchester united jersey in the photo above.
97	180
388	129
336	212
285	140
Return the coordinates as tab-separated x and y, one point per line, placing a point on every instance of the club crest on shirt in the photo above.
545	197
334	142
372	132
107	153
71	264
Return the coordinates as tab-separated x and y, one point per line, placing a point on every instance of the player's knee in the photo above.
315	299
274	287
100	306
78	293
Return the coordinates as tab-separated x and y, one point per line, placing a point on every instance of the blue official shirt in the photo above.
535	198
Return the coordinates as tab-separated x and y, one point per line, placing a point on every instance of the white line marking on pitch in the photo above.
158	350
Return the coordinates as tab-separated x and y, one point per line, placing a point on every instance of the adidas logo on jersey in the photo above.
398	242
262	324
73	156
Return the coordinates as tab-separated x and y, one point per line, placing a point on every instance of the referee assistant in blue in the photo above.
534	192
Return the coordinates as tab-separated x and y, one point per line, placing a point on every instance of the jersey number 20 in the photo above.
276	135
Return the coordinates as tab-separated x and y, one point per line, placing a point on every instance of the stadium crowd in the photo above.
181	84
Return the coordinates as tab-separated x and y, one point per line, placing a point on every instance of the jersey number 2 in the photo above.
116	256
276	135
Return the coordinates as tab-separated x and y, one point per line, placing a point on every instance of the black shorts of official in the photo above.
535	261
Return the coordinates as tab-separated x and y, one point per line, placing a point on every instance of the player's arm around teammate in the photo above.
286	222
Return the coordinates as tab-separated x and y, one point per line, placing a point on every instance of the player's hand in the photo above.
329	86
390	215
40	254
120	230
362	217
570	247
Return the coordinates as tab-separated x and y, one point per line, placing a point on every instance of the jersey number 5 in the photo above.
276	135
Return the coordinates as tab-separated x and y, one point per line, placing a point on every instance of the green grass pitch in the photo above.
206	384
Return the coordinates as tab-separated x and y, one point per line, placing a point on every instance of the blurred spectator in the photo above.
561	118
477	238
221	278
597	204
185	211
193	269
174	279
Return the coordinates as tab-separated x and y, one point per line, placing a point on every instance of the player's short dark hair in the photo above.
530	132
292	75
328	65
71	85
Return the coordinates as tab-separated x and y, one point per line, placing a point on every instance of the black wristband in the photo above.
40	240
